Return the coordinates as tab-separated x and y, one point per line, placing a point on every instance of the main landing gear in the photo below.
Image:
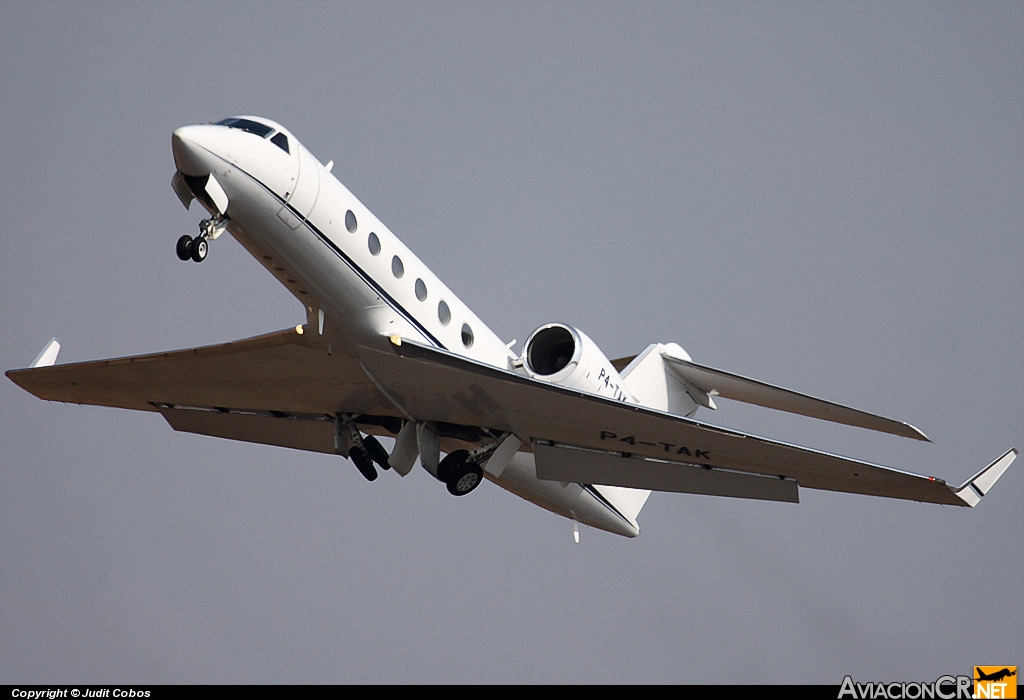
459	473
363	450
371	452
195	249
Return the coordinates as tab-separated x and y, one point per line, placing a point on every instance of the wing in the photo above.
284	389
278	389
639	447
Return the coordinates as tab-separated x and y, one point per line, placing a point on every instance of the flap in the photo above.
588	466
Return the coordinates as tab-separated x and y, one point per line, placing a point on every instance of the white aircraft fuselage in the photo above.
359	283
388	350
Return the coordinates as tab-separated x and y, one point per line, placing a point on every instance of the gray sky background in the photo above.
826	196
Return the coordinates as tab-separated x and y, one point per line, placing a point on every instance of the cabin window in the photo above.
350	221
373	243
397	268
421	290
281	141
444	314
467	335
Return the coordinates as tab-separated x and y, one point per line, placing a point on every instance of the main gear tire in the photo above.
464	478
376	452
363	463
448	464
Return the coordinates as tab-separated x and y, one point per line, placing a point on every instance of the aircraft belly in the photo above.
571	500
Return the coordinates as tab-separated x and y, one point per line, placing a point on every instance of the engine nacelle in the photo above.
565	356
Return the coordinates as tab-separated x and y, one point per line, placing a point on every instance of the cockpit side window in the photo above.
281	141
249	125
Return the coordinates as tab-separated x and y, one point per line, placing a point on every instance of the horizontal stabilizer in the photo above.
715	382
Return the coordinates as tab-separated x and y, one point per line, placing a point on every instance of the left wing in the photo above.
278	389
649	448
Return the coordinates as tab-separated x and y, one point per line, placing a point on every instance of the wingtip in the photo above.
47	356
975	488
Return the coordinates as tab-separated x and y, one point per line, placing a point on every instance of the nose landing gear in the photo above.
195	249
189	248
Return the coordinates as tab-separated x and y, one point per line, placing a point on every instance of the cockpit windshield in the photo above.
257	128
249	125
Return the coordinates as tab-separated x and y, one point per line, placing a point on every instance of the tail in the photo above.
626	501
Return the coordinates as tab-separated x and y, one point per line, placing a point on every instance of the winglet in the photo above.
981	483
47	356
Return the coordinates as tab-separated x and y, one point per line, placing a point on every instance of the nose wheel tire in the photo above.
189	248
184	248
199	249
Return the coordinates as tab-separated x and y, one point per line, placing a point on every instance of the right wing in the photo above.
623	444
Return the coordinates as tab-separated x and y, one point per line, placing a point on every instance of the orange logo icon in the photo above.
995	682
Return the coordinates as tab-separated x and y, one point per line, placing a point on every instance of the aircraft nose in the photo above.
191	148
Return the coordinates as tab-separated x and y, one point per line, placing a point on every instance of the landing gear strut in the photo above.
195	249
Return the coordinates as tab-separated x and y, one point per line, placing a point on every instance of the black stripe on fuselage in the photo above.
362	274
369	281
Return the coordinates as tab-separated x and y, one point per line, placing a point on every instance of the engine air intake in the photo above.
550	350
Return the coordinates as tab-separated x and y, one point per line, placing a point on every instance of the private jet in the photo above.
387	350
